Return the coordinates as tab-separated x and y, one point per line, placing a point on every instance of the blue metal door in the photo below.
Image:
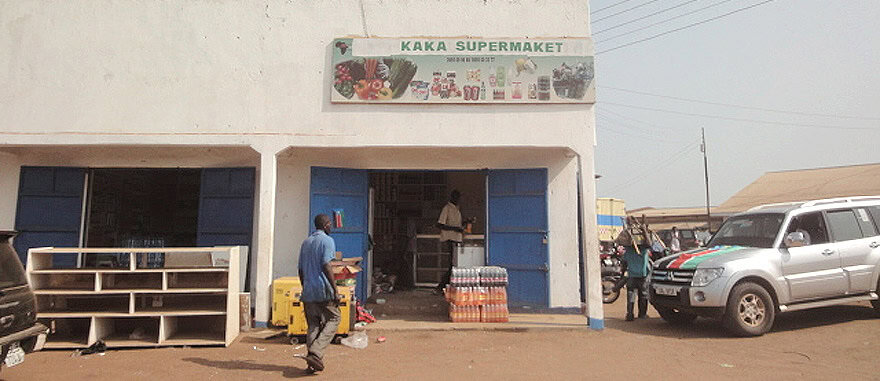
518	236
49	210
347	191
226	207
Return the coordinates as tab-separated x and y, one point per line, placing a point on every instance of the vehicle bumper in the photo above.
706	301
38	330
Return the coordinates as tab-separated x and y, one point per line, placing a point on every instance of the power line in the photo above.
649	129
741	119
646	16
625	10
610	6
740	106
633	131
666	20
669	160
619	115
686	26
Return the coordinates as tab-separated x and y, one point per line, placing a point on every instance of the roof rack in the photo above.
765	206
840	199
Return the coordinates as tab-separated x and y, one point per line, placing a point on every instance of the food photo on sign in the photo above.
456	71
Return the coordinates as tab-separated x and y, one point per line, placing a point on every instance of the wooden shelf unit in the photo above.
137	307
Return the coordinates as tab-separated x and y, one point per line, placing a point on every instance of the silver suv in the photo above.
773	259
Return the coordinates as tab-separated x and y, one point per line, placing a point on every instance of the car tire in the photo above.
675	317
876	303
750	310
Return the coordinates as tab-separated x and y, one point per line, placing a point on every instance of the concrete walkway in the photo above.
517	322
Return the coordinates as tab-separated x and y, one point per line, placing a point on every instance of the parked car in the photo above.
775	259
19	331
686	237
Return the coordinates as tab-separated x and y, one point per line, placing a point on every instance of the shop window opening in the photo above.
141	208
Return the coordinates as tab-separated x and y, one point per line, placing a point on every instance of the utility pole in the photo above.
706	174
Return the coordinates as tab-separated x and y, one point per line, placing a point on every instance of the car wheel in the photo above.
876	303
750	310
676	317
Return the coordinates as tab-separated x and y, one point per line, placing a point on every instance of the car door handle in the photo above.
827	252
874	245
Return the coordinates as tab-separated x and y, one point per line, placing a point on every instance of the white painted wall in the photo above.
228	72
292	213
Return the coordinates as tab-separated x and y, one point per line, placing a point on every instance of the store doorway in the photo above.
407	258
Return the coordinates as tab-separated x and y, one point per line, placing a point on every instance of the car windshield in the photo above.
11	272
755	230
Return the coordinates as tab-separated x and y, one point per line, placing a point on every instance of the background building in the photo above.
806	184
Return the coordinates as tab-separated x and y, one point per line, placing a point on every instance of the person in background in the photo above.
636	265
451	234
703	236
674	241
319	295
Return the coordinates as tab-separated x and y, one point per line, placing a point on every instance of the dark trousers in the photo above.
449	248
633	286
323	320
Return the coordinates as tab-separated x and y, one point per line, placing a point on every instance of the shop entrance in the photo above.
408	260
133	207
388	218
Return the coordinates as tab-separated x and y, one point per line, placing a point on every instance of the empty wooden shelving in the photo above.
138	306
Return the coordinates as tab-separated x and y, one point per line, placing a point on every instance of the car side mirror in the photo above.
795	239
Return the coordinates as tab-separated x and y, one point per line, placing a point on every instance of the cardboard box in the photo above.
345	268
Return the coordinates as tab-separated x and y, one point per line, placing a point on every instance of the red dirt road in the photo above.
833	343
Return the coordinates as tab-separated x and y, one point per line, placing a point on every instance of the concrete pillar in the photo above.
264	250
590	233
10	168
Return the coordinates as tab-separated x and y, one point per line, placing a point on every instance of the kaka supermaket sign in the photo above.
462	70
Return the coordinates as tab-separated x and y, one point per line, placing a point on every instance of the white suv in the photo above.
773	259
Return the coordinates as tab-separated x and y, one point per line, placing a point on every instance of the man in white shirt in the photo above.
674	241
451	234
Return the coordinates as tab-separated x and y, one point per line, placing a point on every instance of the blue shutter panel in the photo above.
226	207
49	210
346	190
518	235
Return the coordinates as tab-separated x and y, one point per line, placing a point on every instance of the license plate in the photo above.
14	356
665	290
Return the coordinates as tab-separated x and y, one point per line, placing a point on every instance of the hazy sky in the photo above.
804	56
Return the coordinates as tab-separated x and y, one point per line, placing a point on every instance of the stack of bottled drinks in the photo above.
478	294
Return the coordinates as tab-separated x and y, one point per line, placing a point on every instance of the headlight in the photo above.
702	277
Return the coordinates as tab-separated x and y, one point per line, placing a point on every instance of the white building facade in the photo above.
229	104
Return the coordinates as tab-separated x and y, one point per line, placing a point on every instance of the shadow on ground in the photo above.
286	371
708	328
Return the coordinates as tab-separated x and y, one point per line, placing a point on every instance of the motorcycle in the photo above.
612	276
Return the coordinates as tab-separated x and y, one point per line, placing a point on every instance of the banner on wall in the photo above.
462	70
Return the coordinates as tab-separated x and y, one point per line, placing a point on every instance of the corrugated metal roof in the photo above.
806	184
658	212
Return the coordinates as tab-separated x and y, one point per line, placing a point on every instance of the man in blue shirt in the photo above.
319	296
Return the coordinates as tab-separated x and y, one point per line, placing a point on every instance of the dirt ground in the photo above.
832	343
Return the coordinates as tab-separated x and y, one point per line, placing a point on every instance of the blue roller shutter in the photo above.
49	210
226	207
518	235
345	190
